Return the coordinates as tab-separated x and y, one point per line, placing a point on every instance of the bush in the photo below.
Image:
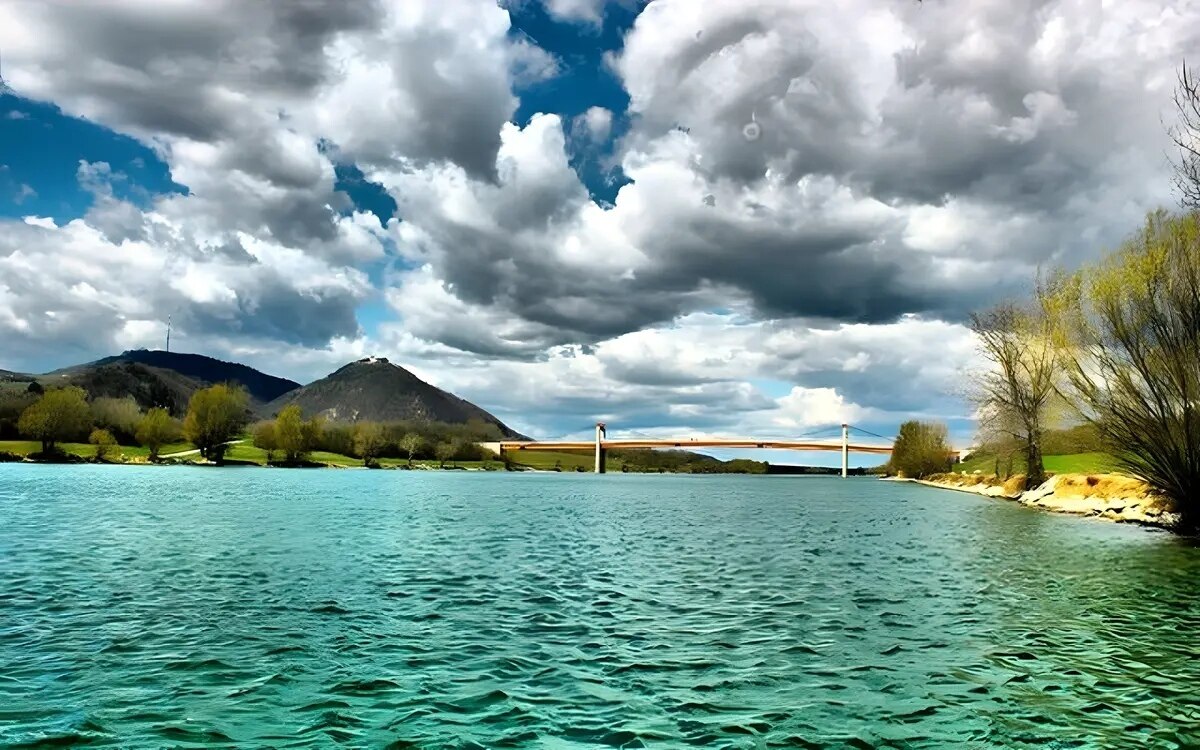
106	444
120	416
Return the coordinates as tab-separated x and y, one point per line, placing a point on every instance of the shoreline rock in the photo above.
1113	497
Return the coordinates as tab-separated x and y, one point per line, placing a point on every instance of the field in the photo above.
1074	463
562	460
86	450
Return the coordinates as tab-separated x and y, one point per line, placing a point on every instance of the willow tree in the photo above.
1129	337
1016	392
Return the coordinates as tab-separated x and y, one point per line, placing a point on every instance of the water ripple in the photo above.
190	607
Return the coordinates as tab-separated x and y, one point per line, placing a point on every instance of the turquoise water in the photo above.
189	607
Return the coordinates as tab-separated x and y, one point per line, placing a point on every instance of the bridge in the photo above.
602	444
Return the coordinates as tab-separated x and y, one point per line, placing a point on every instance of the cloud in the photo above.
587	11
817	192
24	192
595	123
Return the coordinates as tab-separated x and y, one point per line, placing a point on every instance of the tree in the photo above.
264	437
156	429
1128	330
60	414
105	443
921	449
1186	136
1017	391
368	441
445	452
215	416
120	416
295	436
411	444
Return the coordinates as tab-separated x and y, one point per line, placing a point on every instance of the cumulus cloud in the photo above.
595	124
817	192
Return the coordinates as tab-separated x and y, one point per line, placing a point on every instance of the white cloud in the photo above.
843	177
595	123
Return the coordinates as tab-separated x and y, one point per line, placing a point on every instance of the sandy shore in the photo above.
1110	496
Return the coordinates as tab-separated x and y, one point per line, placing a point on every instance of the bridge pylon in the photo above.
601	434
845	450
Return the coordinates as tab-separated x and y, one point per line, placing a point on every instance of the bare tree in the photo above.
1186	136
1016	393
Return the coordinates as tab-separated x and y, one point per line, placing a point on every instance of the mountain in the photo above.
159	378
375	389
261	386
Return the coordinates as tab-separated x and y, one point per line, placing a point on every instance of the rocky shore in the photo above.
1113	497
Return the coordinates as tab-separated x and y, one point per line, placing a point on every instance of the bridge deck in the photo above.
795	445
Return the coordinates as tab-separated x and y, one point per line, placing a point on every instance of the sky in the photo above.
729	217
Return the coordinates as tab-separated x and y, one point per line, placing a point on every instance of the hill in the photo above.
377	390
261	386
149	386
8	376
159	378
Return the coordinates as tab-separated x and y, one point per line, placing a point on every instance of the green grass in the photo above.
1075	463
25	447
568	461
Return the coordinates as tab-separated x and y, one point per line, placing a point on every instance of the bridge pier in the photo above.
601	433
845	450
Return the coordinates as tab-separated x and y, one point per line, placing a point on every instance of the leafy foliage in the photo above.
215	416
119	416
106	444
60	414
157	428
921	449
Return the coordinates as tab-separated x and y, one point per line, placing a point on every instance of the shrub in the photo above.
106	444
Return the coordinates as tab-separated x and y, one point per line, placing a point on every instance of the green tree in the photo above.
921	449
106	444
215	416
412	443
120	416
368	441
1128	330
60	414
445	452
157	428
264	438
294	435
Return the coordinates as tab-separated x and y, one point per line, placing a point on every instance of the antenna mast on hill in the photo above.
168	334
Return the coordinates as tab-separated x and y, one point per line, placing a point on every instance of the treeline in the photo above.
58	415
294	438
682	462
215	417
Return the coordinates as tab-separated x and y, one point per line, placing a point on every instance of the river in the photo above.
146	607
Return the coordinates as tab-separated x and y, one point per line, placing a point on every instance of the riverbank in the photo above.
1113	497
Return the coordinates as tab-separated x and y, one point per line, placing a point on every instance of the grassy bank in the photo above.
1073	463
86	450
